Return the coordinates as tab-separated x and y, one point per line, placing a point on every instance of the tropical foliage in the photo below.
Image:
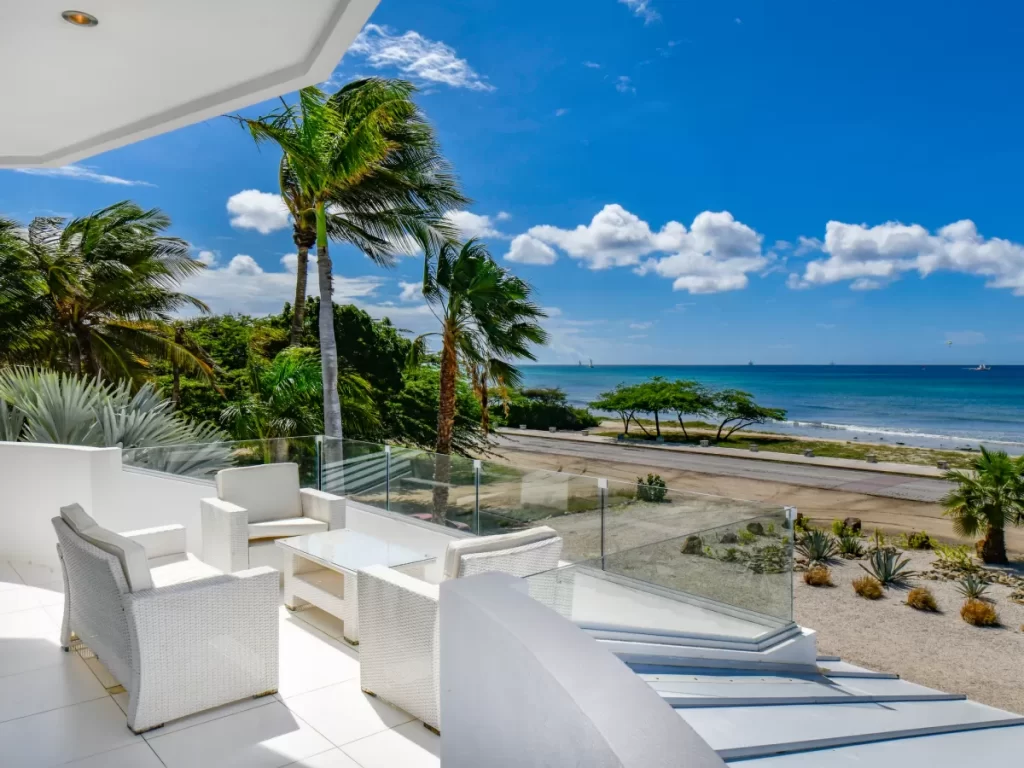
541	409
987	500
889	568
361	166
95	295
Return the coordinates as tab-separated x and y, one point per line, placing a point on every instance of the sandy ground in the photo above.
821	505
937	650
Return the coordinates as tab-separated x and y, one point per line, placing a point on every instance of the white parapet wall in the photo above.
523	686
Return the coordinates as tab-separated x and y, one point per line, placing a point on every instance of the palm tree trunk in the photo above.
299	310
328	346
485	414
993	547
85	357
445	427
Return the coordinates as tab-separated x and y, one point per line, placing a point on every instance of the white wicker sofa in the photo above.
178	634
398	615
254	506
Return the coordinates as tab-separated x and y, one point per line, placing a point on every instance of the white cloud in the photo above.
417	57
591	65
561	112
637	336
83	173
243	286
263	211
966	338
623	84
872	257
641	326
410	291
503	216
474	224
716	254
209	258
643	9
529	250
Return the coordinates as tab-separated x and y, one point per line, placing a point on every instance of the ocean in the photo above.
934	406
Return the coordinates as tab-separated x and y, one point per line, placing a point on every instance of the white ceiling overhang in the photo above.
150	66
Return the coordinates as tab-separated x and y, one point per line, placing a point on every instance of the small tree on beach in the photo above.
987	500
622	401
737	410
689	398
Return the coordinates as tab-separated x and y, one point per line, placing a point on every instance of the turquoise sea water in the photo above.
933	406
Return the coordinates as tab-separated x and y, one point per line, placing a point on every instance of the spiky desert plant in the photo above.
867	587
973	587
818	576
850	545
817	547
922	599
979	613
889	568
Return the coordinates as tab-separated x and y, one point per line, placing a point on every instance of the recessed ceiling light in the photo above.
80	18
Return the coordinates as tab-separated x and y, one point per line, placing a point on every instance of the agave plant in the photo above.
850	545
889	567
817	547
41	406
973	587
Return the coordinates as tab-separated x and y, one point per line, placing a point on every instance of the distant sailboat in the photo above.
982	367
751	362
591	362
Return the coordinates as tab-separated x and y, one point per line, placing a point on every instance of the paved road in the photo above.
854	481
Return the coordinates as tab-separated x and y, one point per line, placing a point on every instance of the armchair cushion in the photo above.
177	569
456	549
131	554
276	529
161	541
266	491
77	518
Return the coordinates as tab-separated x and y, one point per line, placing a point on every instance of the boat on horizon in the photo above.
982	367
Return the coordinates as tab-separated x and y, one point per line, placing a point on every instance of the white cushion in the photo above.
177	569
131	554
78	519
295	526
490	544
266	491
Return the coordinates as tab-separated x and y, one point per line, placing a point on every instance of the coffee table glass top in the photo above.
351	550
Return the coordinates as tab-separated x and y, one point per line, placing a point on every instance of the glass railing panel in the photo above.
203	460
513	498
734	580
356	469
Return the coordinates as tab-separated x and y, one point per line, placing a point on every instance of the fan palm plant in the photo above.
987	500
487	317
95	295
363	167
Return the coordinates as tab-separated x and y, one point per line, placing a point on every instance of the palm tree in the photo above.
987	500
487	317
363	167
96	295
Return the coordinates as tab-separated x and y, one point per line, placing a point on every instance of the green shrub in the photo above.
839	529
817	547
745	536
957	558
651	489
850	545
888	567
541	409
771	558
916	540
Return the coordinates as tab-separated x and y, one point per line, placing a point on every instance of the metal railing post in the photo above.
476	501
387	477
318	443
602	492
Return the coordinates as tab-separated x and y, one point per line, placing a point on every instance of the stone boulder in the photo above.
693	546
852	524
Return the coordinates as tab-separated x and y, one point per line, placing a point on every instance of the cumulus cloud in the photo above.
263	211
715	254
417	57
503	216
209	258
871	257
529	250
475	225
410	291
642	9
83	173
243	286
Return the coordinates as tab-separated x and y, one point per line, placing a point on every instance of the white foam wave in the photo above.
910	434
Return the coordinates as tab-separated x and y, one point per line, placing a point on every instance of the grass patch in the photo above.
868	587
979	613
922	599
818	576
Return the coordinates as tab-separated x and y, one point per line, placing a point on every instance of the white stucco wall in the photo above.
523	686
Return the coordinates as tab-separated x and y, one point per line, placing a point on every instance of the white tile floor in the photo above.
55	708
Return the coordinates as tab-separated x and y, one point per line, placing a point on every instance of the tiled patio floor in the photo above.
56	709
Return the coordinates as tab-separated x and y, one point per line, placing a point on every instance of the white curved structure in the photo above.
150	67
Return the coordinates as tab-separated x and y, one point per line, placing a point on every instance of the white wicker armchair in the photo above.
259	504
399	655
180	636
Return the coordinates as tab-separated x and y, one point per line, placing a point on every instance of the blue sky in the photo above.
789	182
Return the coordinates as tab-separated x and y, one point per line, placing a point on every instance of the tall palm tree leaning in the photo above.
364	167
96	295
487	317
987	500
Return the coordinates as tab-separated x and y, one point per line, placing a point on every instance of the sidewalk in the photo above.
884	467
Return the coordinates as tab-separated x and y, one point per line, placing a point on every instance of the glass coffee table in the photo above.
322	569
